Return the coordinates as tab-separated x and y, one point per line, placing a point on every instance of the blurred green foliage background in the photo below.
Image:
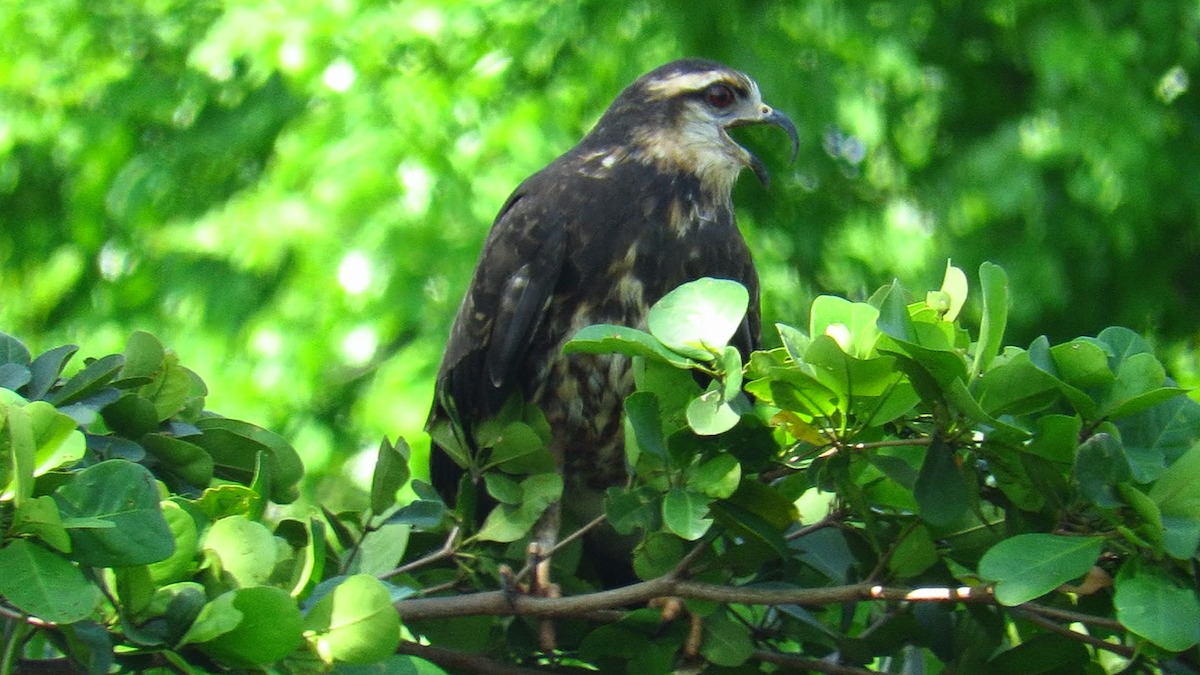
293	195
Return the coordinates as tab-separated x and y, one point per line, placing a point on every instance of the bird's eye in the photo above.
720	96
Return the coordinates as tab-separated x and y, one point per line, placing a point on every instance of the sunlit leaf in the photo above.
700	317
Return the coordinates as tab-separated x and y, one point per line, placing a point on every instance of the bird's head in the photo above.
679	116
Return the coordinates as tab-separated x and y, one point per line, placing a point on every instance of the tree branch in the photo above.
468	662
803	664
1127	652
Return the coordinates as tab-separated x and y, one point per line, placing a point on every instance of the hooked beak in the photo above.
776	118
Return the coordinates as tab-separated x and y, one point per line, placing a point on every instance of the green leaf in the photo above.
391	473
731	371
1159	436
1056	438
609	339
14	376
795	342
45	369
700	317
851	324
13	350
124	496
143	356
1082	363
508	522
656	555
1100	466
170	389
1139	386
131	415
382	549
189	460
234	446
710	414
894	319
1016	387
39	517
633	508
1044	654
17	435
354	623
270	629
422	513
850	377
726	642
941	489
94	377
717	478
181	563
1177	494
643	415
245	547
45	585
994	284
955	287
135	588
56	436
685	513
1156	607
216	618
519	449
1029	566
504	489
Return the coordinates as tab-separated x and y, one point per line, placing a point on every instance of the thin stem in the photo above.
447	550
803	664
1033	617
830	520
565	542
466	662
1073	617
891	443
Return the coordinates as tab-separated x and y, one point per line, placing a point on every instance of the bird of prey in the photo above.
641	205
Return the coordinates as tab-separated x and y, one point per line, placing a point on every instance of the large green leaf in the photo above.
700	317
941	489
123	497
710	414
1029	566
189	460
234	446
354	623
994	283
608	339
1177	494
1157	607
269	629
642	413
44	584
245	547
851	324
686	514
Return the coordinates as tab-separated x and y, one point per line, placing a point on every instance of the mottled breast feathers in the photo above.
598	236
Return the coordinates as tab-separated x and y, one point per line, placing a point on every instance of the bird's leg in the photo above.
545	534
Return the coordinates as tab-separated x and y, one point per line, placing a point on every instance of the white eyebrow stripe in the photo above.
678	84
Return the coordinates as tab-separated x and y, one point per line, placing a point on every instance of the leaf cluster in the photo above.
134	534
884	491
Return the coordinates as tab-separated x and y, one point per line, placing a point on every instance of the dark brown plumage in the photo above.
641	205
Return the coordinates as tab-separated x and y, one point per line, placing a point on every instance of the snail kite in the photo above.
641	205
